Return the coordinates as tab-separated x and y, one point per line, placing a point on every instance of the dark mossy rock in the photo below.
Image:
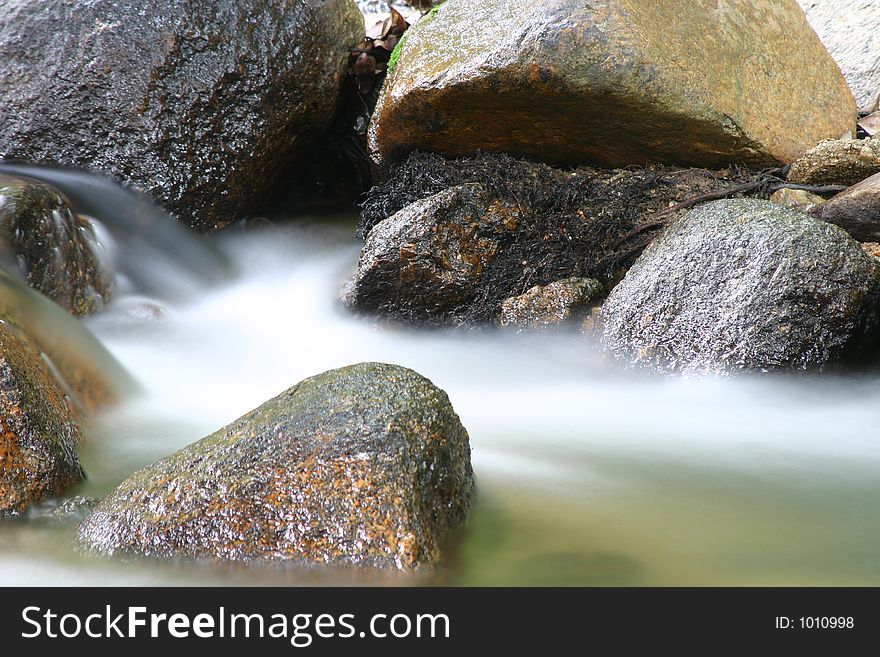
209	107
38	431
364	465
745	285
55	249
856	210
449	240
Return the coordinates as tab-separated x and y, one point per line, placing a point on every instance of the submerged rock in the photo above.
837	162
856	210
549	305
616	82
55	249
850	29
38	431
209	108
745	285
365	465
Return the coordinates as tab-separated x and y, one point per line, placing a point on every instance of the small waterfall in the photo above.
152	254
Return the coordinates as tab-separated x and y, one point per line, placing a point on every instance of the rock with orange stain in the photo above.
613	82
365	465
38	429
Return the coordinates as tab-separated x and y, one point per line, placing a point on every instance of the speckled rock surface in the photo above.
56	250
837	162
613	82
798	199
428	262
548	305
856	210
744	285
850	29
364	465
38	431
208	106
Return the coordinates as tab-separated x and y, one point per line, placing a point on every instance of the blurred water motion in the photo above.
587	475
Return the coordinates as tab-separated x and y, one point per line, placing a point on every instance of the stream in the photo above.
586	474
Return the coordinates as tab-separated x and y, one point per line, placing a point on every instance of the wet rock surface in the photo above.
209	108
744	285
55	249
364	465
550	305
449	240
856	210
837	162
38	430
613	83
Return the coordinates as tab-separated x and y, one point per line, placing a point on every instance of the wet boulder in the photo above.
209	108
745	285
856	210
850	30
549	305
56	250
837	162
614	83
428	262
38	430
364	465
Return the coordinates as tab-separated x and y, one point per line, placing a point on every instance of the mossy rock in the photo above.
364	465
38	429
613	83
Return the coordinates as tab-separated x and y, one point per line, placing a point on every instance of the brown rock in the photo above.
38	432
364	465
798	199
55	249
615	82
548	305
856	210
837	162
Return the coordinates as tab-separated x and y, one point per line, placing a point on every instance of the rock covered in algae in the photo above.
209	107
613	82
745	285
55	249
38	430
363	465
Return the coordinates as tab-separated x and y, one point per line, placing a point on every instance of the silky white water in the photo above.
586	474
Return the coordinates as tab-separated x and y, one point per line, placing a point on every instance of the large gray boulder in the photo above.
613	82
745	285
850	29
364	465
207	106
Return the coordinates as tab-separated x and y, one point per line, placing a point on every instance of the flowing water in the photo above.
587	475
